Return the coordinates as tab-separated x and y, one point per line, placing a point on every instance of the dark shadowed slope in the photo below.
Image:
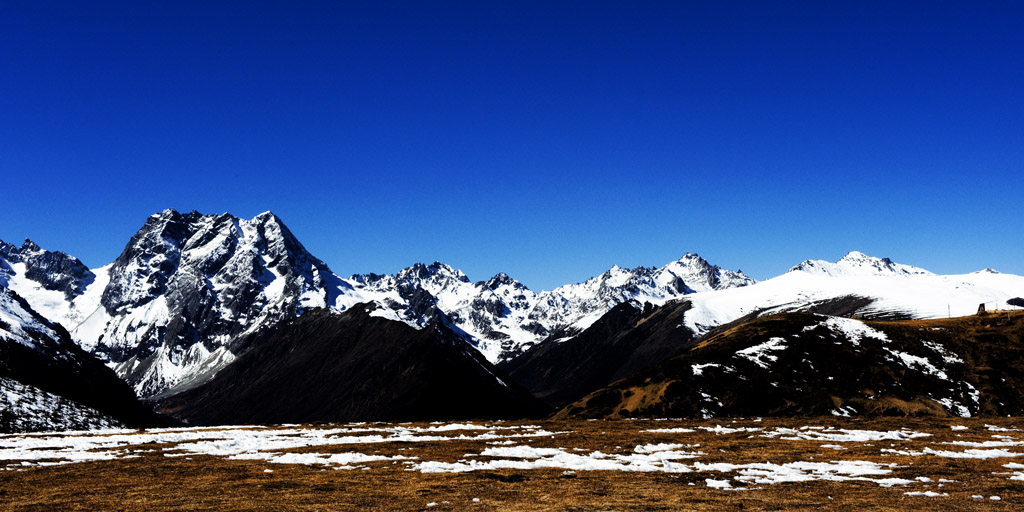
628	338
354	366
807	364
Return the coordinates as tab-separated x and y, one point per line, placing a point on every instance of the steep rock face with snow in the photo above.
51	281
502	317
52	271
48	382
188	290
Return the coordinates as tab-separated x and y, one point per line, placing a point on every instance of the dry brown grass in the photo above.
155	482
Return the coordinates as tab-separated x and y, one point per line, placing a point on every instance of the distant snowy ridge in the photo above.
859	264
887	289
502	316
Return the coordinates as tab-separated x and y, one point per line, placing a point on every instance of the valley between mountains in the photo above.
214	319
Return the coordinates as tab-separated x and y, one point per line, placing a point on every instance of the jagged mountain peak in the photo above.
692	273
435	271
52	271
29	246
502	279
692	258
189	288
856	263
268	215
856	256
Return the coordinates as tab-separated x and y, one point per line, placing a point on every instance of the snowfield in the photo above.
884	457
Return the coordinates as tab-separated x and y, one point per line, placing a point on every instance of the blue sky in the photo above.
546	140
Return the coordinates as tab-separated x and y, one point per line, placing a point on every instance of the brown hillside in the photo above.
794	364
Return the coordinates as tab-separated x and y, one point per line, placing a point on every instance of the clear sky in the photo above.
547	140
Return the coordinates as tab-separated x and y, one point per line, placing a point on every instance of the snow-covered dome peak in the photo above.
856	263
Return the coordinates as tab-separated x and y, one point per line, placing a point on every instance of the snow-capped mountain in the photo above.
492	314
858	264
49	281
189	290
502	317
879	287
179	302
633	336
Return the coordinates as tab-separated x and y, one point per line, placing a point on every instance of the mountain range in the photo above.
192	297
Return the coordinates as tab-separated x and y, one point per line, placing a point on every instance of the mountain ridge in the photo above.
190	292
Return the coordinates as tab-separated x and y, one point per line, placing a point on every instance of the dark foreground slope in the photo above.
807	364
50	383
628	338
354	366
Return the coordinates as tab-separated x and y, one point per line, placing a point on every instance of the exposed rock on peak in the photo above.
50	270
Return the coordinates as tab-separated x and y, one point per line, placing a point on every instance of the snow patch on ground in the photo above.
762	354
836	471
854	330
842	435
973	453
